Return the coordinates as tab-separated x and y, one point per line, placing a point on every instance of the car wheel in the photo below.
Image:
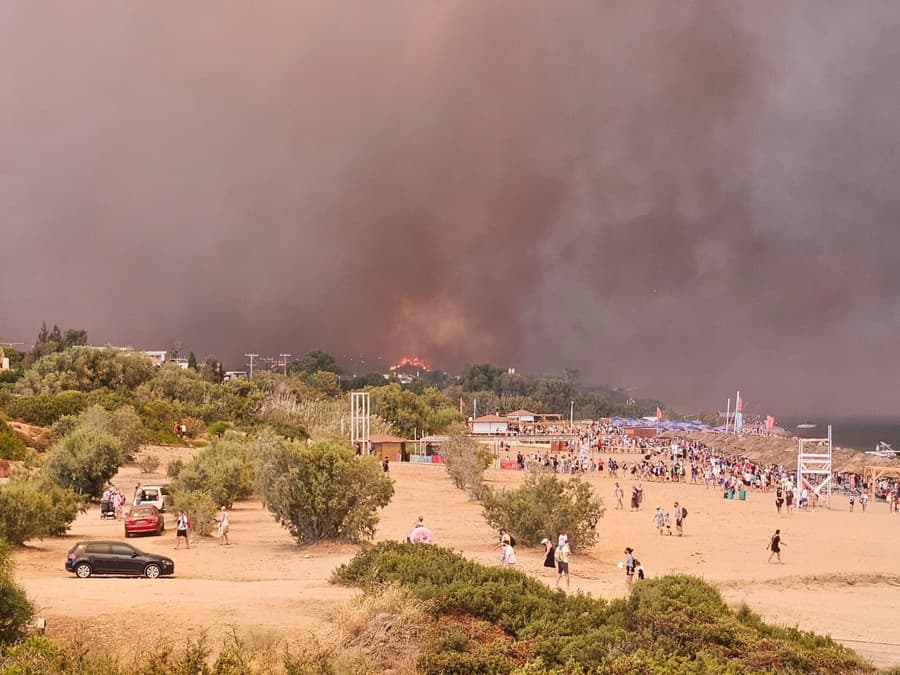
151	571
83	570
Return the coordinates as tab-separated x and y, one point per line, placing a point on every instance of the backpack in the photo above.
512	541
683	513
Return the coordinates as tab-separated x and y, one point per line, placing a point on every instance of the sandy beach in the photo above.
839	575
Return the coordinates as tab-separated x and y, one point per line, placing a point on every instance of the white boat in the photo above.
884	450
806	425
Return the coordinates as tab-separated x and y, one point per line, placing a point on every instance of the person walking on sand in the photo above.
181	530
863	501
660	520
138	495
852	502
562	560
779	500
629	566
223	526
619	495
679	519
508	556
549	554
775	545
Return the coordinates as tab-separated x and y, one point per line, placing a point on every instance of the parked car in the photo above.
156	495
115	557
144	519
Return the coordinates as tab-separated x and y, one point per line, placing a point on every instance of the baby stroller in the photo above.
107	510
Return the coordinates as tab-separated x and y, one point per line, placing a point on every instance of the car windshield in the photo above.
141	513
150	495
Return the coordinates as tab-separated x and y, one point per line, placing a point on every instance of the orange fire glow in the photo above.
411	361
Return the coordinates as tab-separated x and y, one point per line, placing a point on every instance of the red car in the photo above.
144	519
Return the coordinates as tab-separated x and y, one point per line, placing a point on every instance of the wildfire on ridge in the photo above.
414	361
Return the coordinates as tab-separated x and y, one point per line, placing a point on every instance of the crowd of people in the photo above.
686	460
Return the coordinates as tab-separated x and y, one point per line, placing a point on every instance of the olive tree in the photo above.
466	460
224	470
322	491
545	506
84	461
34	509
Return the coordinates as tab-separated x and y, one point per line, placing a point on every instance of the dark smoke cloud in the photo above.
685	198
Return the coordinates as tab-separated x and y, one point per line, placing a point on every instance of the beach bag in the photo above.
683	513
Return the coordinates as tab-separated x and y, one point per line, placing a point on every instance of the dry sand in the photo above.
840	573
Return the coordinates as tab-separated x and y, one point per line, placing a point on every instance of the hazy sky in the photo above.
682	197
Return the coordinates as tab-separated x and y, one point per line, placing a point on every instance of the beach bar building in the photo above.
490	424
387	447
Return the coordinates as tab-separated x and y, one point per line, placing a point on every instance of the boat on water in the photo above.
806	425
884	450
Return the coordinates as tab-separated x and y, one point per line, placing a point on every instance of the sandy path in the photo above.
840	574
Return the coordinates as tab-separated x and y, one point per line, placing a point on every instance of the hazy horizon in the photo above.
683	199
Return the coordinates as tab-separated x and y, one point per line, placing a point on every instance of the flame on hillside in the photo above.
414	361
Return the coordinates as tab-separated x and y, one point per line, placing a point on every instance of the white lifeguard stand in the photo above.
814	461
360	420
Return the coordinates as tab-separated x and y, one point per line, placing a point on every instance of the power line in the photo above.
284	358
252	362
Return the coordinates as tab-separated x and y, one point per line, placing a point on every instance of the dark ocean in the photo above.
859	434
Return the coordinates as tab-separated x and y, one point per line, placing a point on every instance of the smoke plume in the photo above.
682	198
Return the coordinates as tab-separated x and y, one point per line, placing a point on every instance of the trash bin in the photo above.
742	495
730	494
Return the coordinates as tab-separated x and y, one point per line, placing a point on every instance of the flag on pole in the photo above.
462	404
659	414
770	423
739	406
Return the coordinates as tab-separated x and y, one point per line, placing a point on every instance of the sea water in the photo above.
858	434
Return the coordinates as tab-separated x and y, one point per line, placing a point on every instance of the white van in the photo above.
157	495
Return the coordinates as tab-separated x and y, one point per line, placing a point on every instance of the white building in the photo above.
490	424
157	357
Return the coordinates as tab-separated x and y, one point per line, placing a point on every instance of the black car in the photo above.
115	557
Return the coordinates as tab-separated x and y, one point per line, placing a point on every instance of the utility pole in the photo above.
252	362
284	358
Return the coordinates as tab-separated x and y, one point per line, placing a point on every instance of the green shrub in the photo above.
44	409
322	491
15	608
148	463
544	506
466	460
64	426
86	369
31	509
122	424
673	624
158	416
84	461
175	467
217	429
11	446
225	469
11	376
